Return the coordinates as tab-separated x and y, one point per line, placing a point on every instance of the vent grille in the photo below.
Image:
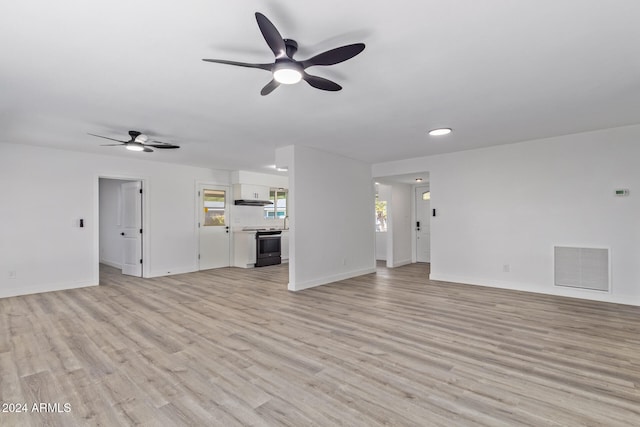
585	268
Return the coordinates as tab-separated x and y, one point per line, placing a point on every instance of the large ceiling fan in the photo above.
138	142
287	70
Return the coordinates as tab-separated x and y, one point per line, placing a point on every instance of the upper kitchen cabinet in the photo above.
250	192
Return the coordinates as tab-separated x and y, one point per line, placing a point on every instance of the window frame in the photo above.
274	209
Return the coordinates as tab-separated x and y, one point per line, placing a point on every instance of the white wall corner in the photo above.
329	279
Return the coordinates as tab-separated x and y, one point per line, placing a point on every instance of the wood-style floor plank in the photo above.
232	347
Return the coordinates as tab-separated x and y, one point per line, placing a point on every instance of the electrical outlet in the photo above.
506	268
12	274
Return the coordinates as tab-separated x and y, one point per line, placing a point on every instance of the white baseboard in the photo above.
328	279
111	264
554	290
171	272
38	289
400	263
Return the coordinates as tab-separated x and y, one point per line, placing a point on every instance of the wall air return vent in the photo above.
585	268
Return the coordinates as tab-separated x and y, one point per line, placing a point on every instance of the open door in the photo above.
131	230
213	227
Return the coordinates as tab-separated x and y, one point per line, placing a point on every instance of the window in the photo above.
214	204
426	195
381	215
279	208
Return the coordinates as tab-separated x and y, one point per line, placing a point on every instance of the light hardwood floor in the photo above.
233	347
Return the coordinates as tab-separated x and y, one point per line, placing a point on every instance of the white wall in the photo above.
110	214
399	211
45	192
511	204
331	201
381	246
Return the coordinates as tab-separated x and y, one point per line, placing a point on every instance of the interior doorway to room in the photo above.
407	236
213	227
120	224
422	224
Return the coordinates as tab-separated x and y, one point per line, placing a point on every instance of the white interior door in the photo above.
131	231
423	233
213	227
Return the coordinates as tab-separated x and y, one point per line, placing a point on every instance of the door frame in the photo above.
145	221
196	219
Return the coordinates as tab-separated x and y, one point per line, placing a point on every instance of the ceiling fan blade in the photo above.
270	87
147	150
321	83
241	64
162	145
105	137
110	145
334	56
271	35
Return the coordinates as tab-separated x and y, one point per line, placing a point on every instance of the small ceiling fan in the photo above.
287	70
138	142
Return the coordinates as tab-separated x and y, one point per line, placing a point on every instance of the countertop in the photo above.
240	230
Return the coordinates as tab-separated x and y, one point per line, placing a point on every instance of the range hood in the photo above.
253	202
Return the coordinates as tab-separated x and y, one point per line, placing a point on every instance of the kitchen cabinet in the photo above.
284	246
250	192
244	249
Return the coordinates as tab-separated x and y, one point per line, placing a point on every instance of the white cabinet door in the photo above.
284	245
244	249
251	192
263	192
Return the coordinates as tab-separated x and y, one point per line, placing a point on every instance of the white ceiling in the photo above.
495	71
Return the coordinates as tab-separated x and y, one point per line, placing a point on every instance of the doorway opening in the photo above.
403	219
120	219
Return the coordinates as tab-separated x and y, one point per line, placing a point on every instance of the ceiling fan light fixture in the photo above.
287	76
440	131
135	146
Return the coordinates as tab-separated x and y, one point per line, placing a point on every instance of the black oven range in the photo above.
268	247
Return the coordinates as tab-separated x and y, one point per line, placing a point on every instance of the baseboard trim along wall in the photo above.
111	264
329	279
172	272
400	263
38	289
537	289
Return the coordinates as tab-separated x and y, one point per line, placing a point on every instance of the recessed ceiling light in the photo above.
418	179
440	131
282	169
